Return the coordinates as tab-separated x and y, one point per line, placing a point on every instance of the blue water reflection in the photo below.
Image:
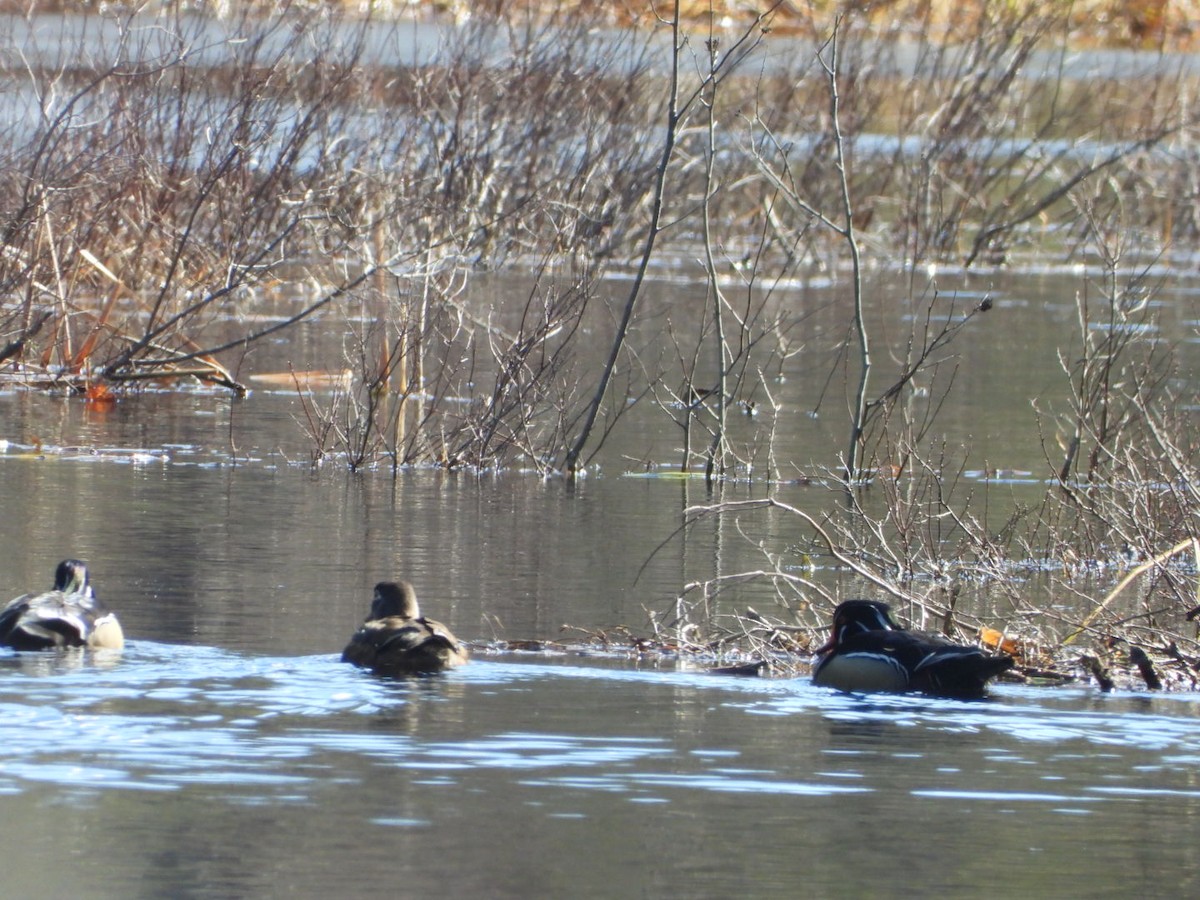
621	757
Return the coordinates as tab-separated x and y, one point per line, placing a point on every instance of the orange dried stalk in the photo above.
990	637
99	395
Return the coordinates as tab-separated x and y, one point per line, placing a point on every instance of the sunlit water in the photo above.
227	752
191	771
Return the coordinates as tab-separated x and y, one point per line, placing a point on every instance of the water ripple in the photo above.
257	729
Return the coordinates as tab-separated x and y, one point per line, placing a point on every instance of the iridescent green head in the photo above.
71	576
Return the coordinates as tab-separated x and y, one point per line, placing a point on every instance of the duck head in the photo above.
71	576
856	616
395	599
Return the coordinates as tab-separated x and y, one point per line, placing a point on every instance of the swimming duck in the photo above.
397	640
68	616
868	651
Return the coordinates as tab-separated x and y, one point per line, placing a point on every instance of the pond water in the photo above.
194	771
227	751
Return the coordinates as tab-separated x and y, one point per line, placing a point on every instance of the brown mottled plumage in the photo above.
68	616
397	640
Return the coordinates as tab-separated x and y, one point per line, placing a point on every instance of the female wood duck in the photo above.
68	616
868	651
397	640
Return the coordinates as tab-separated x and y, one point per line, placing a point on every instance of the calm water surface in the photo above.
227	752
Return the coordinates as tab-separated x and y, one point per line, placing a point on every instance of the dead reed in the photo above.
157	186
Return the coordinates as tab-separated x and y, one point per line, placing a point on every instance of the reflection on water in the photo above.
226	752
487	779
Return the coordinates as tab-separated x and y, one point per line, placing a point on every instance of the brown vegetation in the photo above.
160	192
1153	24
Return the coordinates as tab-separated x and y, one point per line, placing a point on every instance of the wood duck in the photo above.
397	640
70	615
868	651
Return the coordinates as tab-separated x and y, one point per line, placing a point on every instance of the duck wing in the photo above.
400	645
410	635
391	633
43	621
957	670
364	643
439	632
10	615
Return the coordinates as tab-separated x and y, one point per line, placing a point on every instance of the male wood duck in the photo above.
868	651
397	640
68	616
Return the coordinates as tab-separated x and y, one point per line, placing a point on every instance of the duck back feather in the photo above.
70	615
397	640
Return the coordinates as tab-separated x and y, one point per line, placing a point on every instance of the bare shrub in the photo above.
147	200
971	169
